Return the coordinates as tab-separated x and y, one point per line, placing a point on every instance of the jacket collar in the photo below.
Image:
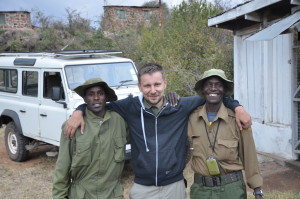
222	114
90	115
145	104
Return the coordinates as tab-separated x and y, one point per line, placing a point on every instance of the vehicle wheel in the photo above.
15	143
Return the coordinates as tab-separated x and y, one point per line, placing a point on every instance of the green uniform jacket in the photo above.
90	165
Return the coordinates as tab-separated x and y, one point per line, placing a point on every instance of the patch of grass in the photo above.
5	172
28	183
2	31
46	162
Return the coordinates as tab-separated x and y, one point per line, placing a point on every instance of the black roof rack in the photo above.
83	53
100	51
65	53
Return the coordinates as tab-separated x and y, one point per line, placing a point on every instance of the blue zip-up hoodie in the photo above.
158	142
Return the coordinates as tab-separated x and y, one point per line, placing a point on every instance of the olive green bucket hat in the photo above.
111	95
214	72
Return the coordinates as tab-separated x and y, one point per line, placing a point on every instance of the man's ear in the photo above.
139	85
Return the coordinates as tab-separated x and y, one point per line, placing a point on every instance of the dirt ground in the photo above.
278	177
33	178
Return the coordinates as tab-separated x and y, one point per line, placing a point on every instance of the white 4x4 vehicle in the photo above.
36	92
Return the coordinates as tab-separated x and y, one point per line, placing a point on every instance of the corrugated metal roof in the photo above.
275	29
235	18
238	5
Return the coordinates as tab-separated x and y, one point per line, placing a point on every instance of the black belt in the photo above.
212	181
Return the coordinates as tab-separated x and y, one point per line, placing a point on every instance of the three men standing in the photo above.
158	135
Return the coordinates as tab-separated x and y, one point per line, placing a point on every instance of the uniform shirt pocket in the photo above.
82	156
228	149
120	143
195	145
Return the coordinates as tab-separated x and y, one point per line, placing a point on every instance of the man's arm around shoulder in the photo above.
242	117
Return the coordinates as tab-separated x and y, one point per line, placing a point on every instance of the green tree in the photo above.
39	19
186	46
76	23
155	3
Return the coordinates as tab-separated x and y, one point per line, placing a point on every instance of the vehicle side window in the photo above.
30	83
8	80
52	79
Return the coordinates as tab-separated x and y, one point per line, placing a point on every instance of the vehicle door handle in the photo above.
23	111
43	114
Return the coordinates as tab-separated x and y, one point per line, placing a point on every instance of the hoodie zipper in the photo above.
156	144
145	139
156	154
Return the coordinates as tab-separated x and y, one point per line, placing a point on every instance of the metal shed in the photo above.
267	70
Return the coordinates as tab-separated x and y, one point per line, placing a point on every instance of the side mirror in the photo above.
56	93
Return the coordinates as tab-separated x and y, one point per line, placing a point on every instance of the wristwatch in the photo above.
259	192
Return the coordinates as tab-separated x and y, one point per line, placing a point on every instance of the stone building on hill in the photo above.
15	19
118	18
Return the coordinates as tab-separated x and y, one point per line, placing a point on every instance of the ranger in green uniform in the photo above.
90	165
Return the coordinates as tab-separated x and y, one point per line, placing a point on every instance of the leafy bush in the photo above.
185	46
2	31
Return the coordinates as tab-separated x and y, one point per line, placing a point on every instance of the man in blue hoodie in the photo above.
158	135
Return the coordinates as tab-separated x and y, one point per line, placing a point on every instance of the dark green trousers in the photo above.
235	190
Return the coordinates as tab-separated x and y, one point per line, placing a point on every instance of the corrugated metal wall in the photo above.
296	99
265	82
263	78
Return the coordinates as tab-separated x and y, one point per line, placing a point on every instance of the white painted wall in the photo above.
263	80
274	139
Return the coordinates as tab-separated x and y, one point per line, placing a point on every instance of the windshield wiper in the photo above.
123	82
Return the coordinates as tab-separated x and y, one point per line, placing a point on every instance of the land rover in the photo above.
36	92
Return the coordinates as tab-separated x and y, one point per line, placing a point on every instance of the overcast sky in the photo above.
91	9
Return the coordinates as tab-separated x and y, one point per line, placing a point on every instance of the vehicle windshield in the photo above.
114	74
